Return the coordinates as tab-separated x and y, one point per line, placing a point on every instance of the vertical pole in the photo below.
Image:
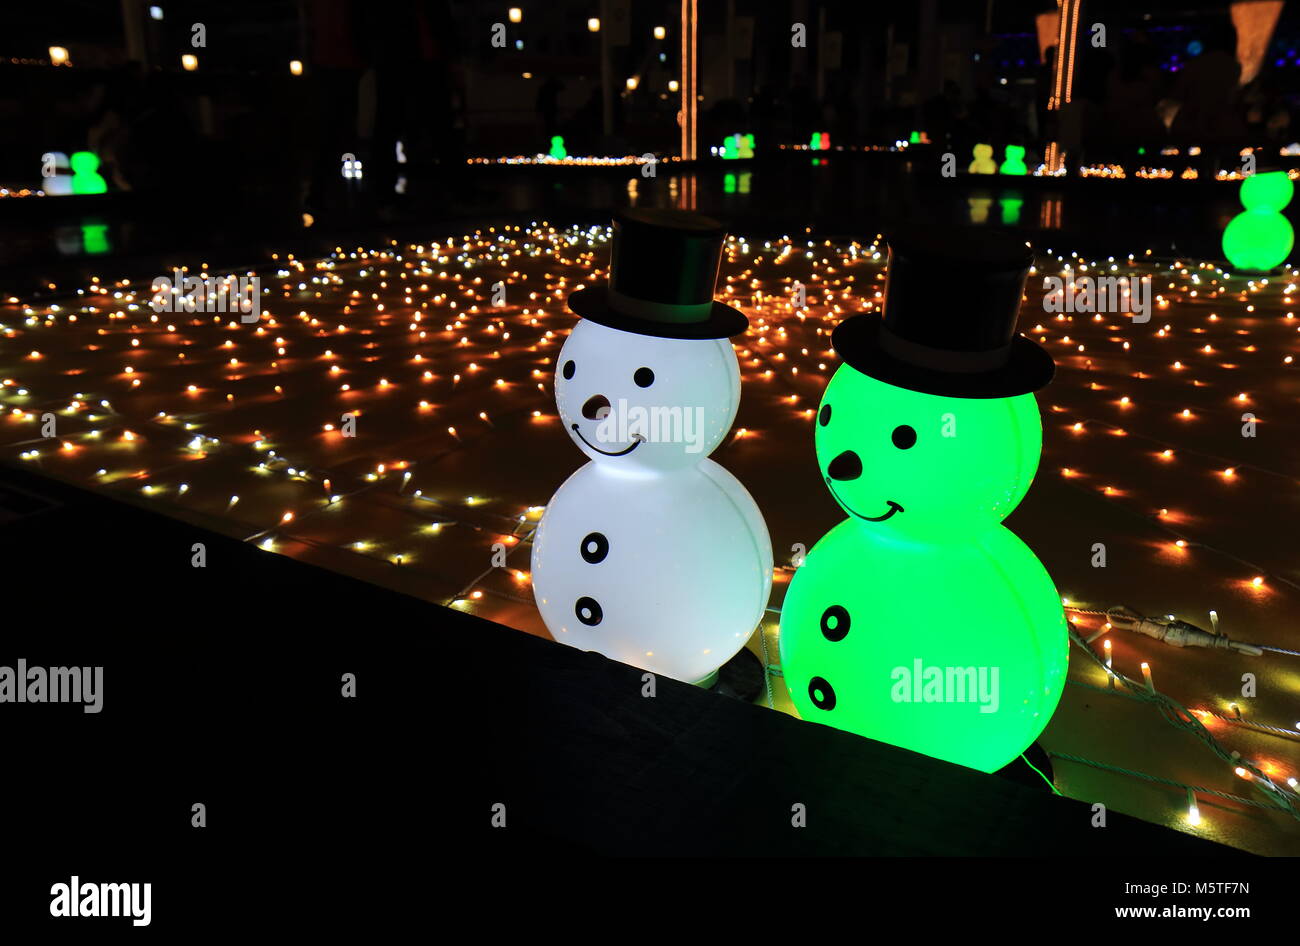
927	58
303	50
690	97
606	89
821	57
1067	35
137	49
731	49
889	65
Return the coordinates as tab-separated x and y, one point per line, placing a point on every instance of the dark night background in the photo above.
223	681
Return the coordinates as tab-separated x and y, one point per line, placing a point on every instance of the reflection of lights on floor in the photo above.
407	335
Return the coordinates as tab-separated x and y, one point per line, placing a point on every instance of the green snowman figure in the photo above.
86	178
1260	238
1015	162
920	620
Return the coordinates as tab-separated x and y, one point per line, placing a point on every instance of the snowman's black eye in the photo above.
569	368
903	437
644	377
824	417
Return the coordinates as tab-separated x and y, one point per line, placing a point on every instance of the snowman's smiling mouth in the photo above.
610	453
893	506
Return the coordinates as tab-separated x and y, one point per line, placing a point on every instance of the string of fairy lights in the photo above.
1284	797
442	353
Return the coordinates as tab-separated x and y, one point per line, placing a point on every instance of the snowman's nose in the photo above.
847	466
596	407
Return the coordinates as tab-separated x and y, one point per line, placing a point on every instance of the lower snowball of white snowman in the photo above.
651	554
669	573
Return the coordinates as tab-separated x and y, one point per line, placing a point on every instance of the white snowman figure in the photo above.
652	554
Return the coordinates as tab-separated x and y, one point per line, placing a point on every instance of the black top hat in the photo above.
948	325
663	265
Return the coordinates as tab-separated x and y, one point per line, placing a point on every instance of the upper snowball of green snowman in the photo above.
930	427
923	464
1271	190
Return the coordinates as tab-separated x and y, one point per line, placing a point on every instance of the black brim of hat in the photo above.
1028	367
592	303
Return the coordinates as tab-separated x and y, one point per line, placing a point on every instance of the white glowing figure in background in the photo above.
56	174
653	554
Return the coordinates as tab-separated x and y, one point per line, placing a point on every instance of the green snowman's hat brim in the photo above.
926	340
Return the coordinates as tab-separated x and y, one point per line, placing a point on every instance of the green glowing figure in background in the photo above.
1260	238
1015	162
557	148
94	235
1011	205
920	620
86	178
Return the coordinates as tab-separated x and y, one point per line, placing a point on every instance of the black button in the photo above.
835	623
821	693
594	549
588	611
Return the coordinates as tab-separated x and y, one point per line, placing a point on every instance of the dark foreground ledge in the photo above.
222	686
